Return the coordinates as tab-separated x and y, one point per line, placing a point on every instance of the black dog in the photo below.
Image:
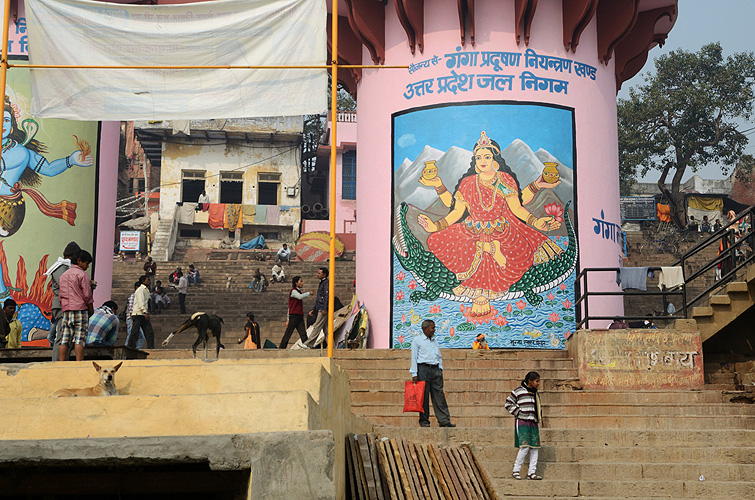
202	322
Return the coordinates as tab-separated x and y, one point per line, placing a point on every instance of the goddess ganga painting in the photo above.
484	240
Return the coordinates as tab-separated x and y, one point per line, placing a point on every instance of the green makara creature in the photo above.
439	281
427	269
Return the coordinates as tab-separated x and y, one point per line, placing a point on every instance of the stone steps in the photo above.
520	365
623	471
450	385
555	397
603	464
646	440
572	410
608	420
603	444
609	488
467	374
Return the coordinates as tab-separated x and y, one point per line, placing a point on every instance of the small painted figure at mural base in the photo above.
22	163
491	248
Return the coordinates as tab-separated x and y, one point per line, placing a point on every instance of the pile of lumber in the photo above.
396	469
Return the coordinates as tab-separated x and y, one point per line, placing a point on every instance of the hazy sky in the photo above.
729	22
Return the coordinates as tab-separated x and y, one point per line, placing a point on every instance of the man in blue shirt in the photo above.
427	366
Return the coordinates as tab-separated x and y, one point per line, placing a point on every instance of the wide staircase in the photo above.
674	444
229	300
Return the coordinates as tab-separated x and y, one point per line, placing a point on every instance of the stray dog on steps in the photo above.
203	322
105	387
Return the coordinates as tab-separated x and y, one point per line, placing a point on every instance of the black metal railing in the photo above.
583	294
736	250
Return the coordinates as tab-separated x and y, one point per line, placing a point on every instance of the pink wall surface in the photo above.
381	93
108	181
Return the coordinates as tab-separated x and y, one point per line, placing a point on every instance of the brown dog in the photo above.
106	386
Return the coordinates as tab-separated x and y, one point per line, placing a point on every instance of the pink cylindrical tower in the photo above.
487	172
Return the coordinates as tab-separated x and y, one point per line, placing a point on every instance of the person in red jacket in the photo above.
295	311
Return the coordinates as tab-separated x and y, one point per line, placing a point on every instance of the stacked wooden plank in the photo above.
397	469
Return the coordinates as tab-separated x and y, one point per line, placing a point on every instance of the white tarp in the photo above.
221	32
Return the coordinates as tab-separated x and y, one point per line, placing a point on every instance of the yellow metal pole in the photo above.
333	128
4	59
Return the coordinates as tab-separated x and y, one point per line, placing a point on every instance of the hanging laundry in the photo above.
233	217
671	277
260	215
216	217
186	213
273	215
248	212
634	277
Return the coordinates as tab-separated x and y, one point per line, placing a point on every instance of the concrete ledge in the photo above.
283	465
185	415
182	397
167	377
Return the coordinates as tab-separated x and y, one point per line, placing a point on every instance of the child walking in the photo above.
524	404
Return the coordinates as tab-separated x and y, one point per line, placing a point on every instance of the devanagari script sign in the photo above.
222	32
496	72
638	359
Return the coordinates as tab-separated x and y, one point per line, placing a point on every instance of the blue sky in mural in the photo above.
538	126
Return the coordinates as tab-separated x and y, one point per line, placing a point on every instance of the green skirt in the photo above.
526	434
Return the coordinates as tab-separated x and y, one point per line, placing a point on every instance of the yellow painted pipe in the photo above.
333	143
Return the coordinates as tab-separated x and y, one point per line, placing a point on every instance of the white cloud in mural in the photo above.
406	140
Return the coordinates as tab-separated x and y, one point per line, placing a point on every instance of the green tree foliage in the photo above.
685	116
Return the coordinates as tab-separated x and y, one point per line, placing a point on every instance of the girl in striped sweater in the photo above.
524	404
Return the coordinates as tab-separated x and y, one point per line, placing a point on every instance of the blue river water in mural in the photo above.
516	324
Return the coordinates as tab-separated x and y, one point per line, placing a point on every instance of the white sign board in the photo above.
130	241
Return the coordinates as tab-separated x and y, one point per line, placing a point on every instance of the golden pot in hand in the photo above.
550	172
430	171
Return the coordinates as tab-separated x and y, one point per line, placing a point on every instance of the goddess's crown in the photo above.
486	142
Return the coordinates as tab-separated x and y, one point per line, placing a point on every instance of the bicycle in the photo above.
658	245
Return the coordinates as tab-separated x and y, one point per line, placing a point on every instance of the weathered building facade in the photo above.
248	168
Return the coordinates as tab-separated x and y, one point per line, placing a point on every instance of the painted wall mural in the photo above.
47	198
483	232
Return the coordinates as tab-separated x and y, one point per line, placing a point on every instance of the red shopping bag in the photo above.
414	396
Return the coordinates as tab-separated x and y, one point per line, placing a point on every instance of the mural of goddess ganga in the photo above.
499	239
488	245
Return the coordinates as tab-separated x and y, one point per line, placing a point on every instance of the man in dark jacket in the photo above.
321	309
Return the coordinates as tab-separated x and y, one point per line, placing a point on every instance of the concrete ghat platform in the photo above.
178	400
